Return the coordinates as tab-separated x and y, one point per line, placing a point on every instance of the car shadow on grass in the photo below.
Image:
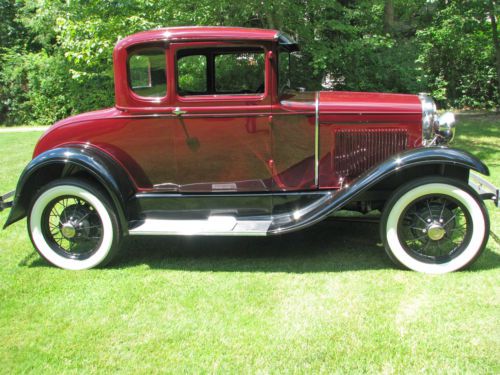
327	247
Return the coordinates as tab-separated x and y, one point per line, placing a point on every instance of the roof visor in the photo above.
287	42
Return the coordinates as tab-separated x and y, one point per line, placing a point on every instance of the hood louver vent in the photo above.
356	151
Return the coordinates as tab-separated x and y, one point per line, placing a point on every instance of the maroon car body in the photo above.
258	162
253	142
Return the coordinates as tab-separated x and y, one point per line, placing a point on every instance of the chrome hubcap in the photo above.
68	230
435	231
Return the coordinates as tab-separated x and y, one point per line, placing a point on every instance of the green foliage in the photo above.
192	73
457	57
38	89
243	72
56	57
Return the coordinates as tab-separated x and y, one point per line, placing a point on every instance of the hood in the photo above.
347	102
351	102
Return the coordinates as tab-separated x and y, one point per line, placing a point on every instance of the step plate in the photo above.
213	226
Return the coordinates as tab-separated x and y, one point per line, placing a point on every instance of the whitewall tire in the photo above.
434	225
72	224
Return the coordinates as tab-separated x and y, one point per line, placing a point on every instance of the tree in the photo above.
388	16
496	44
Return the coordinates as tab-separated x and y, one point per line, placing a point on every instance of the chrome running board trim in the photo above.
213	226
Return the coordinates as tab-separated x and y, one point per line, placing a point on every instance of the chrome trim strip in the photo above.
316	140
291	103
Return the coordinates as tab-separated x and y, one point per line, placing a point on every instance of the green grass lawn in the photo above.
323	300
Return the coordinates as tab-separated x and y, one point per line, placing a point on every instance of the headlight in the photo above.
435	129
429	118
445	128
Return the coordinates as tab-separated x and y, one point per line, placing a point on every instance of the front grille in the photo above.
356	151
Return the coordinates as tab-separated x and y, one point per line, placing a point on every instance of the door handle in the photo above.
177	111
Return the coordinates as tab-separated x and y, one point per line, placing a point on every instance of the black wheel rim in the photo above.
72	227
435	228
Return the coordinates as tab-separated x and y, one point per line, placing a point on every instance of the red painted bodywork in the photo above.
232	143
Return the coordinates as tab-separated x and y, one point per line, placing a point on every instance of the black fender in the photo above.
334	200
66	161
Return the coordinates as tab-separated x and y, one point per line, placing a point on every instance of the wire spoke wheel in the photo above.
435	228
72	227
434	225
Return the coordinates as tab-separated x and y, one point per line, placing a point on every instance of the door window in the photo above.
221	71
192	75
239	73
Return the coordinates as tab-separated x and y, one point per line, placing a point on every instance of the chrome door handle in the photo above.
177	111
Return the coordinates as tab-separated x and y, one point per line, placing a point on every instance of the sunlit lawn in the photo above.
323	300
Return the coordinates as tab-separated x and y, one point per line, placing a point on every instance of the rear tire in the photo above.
434	225
73	225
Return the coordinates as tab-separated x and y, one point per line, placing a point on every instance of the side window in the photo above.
222	70
239	73
192	75
147	73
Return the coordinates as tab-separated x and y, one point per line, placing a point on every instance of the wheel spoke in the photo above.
426	245
84	217
438	243
429	208
453	217
422	220
417	228
442	210
418	238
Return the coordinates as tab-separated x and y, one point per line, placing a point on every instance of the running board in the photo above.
213	226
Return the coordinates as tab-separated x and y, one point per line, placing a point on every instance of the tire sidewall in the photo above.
397	205
93	196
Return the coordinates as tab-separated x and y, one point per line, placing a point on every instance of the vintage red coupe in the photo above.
209	137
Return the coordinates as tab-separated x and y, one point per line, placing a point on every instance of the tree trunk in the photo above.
496	43
388	16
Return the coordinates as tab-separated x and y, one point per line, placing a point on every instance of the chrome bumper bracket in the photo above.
484	188
3	200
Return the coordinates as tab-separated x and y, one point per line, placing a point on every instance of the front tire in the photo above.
73	225
434	225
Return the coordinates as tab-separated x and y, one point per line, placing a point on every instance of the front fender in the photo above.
333	201
66	161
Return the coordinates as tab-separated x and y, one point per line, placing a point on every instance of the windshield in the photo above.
287	62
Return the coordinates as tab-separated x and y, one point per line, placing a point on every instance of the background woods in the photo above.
55	56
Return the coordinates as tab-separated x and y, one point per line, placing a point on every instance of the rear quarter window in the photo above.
147	73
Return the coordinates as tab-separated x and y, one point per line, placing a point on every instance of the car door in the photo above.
222	135
293	133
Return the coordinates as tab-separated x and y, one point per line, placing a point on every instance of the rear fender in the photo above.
64	162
